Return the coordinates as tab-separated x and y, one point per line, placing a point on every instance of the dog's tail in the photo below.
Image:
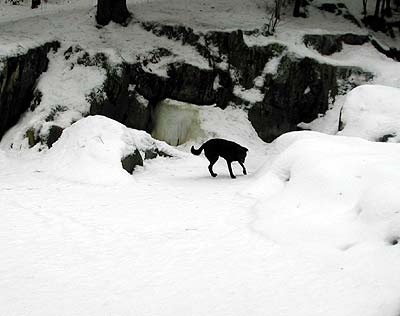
196	151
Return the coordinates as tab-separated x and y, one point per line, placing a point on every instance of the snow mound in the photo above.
372	112
91	150
334	201
329	190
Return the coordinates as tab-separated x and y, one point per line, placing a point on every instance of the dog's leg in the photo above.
230	169
244	168
212	160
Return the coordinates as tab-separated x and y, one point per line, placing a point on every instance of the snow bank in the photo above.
335	199
333	191
372	112
91	150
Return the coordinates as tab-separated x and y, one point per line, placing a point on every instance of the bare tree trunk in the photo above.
377	6
35	4
365	7
383	2
296	10
278	6
388	11
112	10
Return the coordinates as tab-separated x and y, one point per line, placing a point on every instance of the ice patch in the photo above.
176	122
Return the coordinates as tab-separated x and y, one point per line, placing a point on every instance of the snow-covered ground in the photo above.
313	229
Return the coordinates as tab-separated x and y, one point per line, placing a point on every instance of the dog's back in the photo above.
226	149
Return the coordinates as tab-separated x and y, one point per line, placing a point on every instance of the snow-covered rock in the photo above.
334	200
372	112
332	191
91	150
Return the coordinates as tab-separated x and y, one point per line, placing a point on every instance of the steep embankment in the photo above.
18	76
278	88
280	80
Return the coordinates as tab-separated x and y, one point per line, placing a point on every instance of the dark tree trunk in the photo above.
35	4
112	10
296	10
377	6
383	3
365	8
388	11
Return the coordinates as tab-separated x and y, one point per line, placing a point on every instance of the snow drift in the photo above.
92	148
335	200
341	189
372	112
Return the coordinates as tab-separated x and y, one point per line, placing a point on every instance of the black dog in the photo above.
230	151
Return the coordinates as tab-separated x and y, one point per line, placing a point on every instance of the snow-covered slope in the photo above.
313	232
313	229
368	111
372	112
331	202
91	151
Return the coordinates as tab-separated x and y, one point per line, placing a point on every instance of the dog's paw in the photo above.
233	177
245	173
214	175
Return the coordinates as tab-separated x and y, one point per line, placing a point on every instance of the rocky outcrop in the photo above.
390	52
248	61
300	90
131	161
339	9
328	44
18	75
185	82
154	153
119	100
55	133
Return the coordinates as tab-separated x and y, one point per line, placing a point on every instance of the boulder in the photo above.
55	133
129	162
328	44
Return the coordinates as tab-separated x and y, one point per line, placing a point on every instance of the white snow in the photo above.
312	230
98	143
309	233
64	89
371	112
251	95
329	206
